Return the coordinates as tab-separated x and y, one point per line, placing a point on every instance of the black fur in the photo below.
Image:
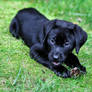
51	42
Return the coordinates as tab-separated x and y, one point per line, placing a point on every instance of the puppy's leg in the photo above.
61	71
72	61
37	52
14	28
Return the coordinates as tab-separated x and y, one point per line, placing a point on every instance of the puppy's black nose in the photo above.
56	56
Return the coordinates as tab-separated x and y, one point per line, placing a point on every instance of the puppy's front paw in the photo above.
64	74
83	70
58	73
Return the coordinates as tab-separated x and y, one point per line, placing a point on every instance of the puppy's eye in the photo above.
52	41
66	44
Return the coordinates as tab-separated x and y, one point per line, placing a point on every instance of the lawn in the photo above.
20	73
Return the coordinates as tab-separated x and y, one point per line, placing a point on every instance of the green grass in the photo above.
18	72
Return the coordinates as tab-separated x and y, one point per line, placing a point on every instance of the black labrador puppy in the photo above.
51	42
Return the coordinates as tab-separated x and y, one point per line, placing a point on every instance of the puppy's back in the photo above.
30	24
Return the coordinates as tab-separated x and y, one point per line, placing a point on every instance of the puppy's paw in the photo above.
58	73
64	74
83	70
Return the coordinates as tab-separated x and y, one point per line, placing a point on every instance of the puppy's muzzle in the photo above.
57	58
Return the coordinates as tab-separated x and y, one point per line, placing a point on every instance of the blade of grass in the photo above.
78	14
17	77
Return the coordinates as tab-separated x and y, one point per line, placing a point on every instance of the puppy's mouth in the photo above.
56	63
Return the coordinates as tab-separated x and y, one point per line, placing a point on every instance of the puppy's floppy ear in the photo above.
80	37
47	28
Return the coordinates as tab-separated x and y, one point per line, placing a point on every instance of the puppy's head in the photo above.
61	37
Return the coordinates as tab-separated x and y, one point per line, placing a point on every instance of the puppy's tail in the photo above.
14	27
